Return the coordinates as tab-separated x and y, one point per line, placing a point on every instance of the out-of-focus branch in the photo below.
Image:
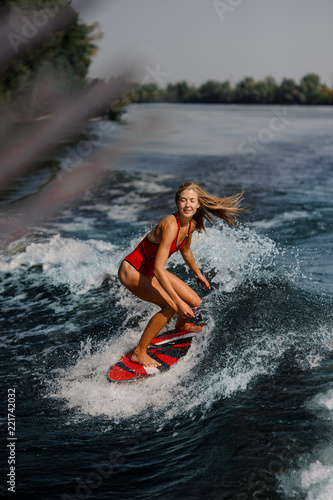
74	182
68	113
64	123
20	30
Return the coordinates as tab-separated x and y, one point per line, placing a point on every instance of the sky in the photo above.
199	40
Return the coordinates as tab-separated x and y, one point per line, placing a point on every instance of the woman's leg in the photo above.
149	290
190	297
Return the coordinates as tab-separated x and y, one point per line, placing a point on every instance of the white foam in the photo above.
127	208
189	386
235	256
81	265
318	474
77	224
85	387
128	205
313	480
323	401
231	257
281	219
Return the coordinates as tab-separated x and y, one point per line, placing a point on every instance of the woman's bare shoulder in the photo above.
169	223
167	226
170	219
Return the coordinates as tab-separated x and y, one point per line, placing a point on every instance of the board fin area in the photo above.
167	348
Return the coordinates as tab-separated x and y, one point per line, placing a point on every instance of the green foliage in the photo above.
66	51
28	5
270	89
289	93
247	91
311	88
215	92
180	92
151	90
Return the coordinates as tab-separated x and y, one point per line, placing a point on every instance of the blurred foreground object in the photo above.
42	37
46	102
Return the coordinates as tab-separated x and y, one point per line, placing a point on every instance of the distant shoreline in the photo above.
120	121
309	91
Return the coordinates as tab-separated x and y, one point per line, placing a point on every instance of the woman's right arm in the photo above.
190	261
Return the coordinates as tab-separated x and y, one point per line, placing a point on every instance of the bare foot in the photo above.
189	327
142	358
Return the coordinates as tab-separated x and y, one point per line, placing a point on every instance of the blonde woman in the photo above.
143	271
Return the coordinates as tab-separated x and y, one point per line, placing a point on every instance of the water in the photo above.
248	412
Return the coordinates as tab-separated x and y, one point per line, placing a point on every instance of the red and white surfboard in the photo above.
167	348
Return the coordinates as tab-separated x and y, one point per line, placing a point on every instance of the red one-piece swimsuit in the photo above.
144	255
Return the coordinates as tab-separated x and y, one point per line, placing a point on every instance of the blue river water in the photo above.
248	413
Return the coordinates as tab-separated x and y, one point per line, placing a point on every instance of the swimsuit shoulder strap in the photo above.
174	244
176	217
189	227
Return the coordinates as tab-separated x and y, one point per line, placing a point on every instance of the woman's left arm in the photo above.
190	261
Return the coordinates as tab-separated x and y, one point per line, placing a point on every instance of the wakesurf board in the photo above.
167	348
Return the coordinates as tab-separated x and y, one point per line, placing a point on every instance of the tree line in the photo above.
310	90
66	51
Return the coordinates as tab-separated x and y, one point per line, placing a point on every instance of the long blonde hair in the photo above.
227	209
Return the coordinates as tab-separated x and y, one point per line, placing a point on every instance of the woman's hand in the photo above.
185	310
201	281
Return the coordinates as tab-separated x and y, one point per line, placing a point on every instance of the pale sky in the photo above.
198	40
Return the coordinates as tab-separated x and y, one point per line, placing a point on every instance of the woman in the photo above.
142	271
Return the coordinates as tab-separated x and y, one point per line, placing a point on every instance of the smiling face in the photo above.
188	203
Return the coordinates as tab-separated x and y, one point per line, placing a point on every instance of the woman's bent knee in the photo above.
196	303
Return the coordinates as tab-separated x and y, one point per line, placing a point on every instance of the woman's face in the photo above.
188	203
